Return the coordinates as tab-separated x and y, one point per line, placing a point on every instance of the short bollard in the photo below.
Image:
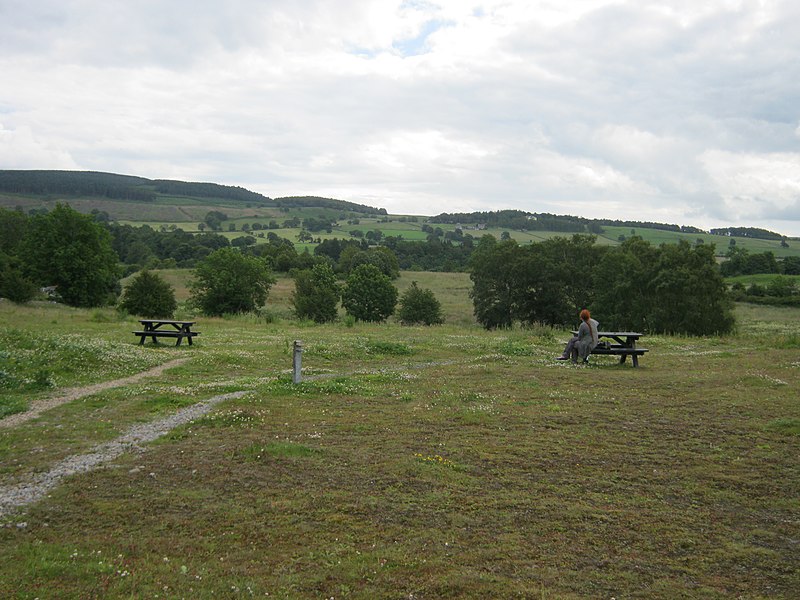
297	361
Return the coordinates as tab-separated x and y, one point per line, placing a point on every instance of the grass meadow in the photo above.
411	462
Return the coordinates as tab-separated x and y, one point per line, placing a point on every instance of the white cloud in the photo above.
756	186
676	111
20	149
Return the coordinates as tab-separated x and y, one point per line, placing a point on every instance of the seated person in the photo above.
582	344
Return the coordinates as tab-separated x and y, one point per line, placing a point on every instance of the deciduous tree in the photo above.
227	281
316	293
72	252
149	296
368	294
419	306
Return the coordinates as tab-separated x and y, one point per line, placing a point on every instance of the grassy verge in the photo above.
428	463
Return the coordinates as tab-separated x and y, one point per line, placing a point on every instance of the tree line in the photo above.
74	255
127	187
672	288
74	183
516	219
525	221
740	261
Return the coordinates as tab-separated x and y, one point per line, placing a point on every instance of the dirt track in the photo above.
36	486
71	394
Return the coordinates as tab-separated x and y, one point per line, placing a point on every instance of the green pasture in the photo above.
763	279
721	243
411	462
187	212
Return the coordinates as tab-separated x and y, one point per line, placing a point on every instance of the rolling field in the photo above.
186	213
411	462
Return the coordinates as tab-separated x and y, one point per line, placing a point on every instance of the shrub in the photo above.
228	282
149	296
15	286
419	306
316	293
369	294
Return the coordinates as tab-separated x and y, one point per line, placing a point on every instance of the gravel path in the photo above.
36	487
71	394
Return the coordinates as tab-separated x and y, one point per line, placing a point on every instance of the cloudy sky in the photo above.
679	111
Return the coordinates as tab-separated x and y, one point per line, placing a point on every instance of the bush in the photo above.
14	285
229	282
418	306
149	296
316	293
369	294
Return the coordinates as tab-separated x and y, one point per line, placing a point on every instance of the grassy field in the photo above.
423	463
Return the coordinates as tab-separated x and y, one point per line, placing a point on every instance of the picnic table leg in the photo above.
635	359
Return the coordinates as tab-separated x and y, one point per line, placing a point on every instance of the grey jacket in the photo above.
587	337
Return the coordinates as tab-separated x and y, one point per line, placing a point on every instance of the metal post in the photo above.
297	361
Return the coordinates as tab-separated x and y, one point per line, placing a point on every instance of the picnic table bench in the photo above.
619	343
152	328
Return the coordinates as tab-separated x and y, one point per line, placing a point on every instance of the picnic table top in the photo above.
166	321
620	333
632	334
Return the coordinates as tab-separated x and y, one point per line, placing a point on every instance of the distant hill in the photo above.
93	184
132	198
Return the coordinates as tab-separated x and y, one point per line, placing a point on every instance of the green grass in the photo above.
445	462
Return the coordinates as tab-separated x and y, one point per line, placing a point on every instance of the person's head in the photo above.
585	315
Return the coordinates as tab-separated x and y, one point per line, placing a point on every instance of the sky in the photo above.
675	111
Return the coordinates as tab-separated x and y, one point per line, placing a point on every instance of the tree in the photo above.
214	219
493	281
791	265
13	225
70	251
382	257
13	284
316	293
675	288
149	296
227	281
368	294
419	306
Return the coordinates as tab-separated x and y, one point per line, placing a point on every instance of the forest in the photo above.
125	187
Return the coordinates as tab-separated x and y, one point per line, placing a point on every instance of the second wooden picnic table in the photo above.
152	328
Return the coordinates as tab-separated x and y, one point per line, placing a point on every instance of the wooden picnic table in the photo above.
152	328
619	343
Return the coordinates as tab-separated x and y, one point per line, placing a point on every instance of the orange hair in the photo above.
585	315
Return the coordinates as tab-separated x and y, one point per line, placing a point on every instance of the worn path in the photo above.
71	394
36	486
